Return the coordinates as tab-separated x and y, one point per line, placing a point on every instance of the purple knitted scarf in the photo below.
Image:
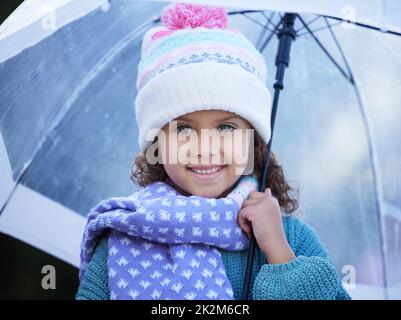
163	245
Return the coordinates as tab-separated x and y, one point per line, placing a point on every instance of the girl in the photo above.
203	116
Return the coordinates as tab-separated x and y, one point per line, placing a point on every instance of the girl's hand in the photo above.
260	214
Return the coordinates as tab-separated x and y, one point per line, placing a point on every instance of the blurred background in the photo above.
68	134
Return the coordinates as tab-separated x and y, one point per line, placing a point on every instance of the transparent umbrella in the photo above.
68	133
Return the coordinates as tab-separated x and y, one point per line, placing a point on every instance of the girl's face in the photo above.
205	152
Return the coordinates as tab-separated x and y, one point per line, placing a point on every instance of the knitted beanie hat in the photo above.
194	62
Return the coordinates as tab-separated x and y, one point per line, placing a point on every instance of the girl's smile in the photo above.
206	172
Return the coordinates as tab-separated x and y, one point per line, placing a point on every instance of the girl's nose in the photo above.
207	150
206	153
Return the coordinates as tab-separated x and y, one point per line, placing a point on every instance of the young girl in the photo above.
185	233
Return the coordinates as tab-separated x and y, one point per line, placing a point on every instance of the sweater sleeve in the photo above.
94	284
310	276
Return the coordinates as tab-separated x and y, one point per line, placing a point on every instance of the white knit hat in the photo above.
194	62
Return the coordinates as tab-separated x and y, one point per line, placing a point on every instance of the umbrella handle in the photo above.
286	36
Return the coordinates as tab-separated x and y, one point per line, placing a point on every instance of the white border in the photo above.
6	176
44	223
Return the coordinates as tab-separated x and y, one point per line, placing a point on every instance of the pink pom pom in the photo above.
185	15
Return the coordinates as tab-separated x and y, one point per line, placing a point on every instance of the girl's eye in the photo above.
183	129
226	128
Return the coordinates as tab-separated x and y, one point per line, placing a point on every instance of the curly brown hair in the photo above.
143	173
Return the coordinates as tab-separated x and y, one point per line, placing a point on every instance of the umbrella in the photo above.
68	136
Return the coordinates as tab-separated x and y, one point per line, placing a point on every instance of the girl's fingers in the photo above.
249	202
244	224
258	195
247	229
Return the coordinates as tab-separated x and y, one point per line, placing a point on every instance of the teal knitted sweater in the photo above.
311	275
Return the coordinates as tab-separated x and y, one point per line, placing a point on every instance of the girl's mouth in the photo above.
206	172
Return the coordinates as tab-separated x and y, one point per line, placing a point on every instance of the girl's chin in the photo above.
204	191
212	191
207	195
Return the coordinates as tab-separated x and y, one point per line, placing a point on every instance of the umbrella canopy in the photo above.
68	133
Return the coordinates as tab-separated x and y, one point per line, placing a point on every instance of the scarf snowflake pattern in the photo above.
163	245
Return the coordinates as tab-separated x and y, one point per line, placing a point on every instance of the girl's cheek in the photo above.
243	152
174	173
170	151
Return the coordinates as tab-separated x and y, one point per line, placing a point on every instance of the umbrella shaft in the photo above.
286	36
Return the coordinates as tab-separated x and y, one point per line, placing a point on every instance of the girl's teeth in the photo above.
209	171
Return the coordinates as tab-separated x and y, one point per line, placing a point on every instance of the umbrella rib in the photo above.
269	19
363	25
319	43
339	49
257	22
309	23
263	46
242	12
268	22
319	29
